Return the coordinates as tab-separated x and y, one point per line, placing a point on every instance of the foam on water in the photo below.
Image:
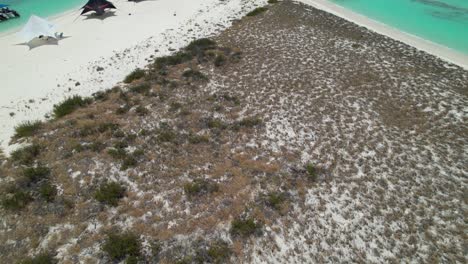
441	21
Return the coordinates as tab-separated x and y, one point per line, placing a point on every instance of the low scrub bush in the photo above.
200	187
122	246
16	200
245	227
199	46
250	122
275	200
25	155
141	88
198	139
43	258
69	105
36	174
47	191
194	75
110	193
257	11
177	58
311	172
27	129
135	75
220	60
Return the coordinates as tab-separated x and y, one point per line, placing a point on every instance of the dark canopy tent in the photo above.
98	6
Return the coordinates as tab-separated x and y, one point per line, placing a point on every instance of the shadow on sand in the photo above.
37	42
100	17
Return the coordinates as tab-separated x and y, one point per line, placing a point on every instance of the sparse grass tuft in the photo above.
110	193
257	11
275	200
220	60
16	200
48	191
245	227
194	75
198	139
177	58
250	122
69	105
135	75
199	46
219	252
200	187
122	246
141	88
27	129
35	174
311	172
25	155
141	110
214	123
43	258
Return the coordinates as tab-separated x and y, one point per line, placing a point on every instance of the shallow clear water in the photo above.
42	8
441	21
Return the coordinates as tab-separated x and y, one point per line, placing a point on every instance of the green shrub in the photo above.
219	252
25	155
311	172
250	122
35	174
200	187
273	1
257	11
194	75
197	139
128	162
214	123
199	46
69	105
135	75
166	134
177	58
43	258
110	193
27	129
141	88
141	110
275	200
122	246
48	191
16	200
220	60
245	227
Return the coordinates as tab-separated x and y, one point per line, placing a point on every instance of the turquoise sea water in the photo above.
42	8
441	21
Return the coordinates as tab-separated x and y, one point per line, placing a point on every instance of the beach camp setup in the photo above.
6	13
98	6
37	28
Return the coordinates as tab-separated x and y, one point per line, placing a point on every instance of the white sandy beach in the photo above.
34	80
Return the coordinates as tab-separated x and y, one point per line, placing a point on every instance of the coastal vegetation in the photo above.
27	129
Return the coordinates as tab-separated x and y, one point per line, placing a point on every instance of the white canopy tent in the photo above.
35	28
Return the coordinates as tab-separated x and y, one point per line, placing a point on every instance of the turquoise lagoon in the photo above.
444	22
42	8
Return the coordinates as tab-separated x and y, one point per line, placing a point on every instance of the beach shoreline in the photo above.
440	51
